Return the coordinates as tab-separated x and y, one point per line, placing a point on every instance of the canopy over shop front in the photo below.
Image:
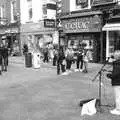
111	27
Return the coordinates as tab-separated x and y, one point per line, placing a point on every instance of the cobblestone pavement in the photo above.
41	94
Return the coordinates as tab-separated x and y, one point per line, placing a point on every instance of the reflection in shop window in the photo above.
89	44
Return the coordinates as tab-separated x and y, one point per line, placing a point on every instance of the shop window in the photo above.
111	42
72	43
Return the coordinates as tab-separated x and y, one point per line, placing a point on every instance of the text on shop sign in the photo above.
83	24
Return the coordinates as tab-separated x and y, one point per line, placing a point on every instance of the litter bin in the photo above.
36	60
28	59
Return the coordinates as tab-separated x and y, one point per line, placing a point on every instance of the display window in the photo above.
77	42
114	41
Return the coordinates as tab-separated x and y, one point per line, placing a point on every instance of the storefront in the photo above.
11	34
13	39
38	35
112	38
84	28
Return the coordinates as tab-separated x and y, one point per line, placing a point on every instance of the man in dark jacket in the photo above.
4	53
79	62
115	81
60	61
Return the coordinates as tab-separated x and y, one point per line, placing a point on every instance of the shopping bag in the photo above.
89	108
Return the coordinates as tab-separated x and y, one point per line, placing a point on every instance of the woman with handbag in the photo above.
69	59
85	60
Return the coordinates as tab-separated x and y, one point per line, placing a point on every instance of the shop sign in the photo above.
82	3
102	2
35	27
85	24
12	30
49	23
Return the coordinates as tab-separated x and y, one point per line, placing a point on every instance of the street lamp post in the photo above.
19	23
58	28
59	43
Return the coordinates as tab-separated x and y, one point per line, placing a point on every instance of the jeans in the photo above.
4	63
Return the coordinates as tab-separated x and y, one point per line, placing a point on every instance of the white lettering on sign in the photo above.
79	25
84	24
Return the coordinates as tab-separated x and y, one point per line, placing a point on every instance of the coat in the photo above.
0	55
115	75
4	52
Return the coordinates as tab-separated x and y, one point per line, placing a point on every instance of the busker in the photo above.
115	81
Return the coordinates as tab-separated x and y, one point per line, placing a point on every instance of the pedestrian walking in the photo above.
55	55
69	59
25	49
115	81
85	60
61	61
45	52
4	52
79	61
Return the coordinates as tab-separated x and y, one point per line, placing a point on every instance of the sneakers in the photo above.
76	70
115	112
81	70
69	71
64	73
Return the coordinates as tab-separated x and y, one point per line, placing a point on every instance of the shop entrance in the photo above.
13	45
91	41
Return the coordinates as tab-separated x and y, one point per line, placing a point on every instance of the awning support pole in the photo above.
107	44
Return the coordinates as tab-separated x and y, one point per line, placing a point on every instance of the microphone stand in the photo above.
100	81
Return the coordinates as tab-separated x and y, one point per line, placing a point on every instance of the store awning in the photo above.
111	27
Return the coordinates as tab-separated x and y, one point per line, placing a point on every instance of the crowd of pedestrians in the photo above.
66	58
63	57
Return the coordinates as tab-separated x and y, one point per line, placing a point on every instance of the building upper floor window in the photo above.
2	11
83	4
13	11
29	0
104	2
30	12
44	9
29	3
3	19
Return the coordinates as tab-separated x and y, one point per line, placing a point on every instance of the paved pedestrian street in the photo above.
41	94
